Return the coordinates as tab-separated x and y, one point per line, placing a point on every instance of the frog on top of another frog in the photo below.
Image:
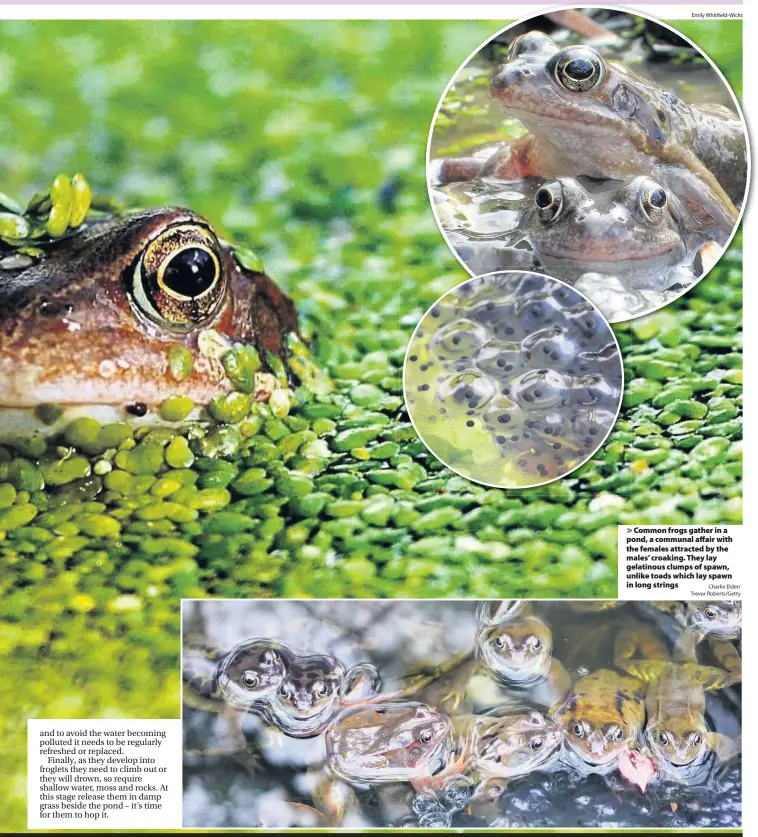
589	116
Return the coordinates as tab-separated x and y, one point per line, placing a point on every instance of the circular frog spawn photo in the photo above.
513	379
599	146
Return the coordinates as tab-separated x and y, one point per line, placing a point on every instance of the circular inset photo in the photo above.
513	379
599	146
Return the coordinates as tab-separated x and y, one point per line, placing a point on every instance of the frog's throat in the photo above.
23	422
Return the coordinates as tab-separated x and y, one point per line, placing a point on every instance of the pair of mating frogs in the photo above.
646	718
630	178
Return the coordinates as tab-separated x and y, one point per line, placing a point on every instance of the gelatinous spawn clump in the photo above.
513	379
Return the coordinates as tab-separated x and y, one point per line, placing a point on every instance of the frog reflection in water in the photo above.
588	116
676	731
90	325
630	230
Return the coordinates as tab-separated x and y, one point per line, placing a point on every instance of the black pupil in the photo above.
543	198
190	272
658	198
579	69
536	744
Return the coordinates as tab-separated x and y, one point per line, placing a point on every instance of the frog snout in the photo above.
596	743
509	76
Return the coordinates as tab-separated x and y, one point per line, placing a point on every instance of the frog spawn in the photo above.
513	379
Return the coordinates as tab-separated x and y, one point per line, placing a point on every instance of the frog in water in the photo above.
715	622
316	688
398	742
676	732
630	230
243	678
513	647
601	717
90	324
588	116
298	694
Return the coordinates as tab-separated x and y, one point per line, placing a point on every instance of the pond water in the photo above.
240	772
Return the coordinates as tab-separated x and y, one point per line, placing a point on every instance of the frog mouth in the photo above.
599	253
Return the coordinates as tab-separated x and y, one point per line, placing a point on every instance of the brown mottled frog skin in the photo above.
676	732
602	716
588	116
91	322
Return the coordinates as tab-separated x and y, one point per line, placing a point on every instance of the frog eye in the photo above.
425	737
578	69
284	690
663	739
696	739
177	280
711	613
618	735
319	688
548	201
250	679
536	743
578	730
500	641
535	642
653	201
529	42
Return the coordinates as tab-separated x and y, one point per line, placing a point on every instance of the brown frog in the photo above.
588	116
92	321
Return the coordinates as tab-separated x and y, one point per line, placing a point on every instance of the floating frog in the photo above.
89	326
676	732
716	622
513	647
316	688
601	717
398	742
298	694
630	230
246	676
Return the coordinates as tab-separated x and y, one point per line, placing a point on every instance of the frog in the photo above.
676	733
716	622
89	324
589	116
630	229
296	693
513	648
401	741
601	717
316	688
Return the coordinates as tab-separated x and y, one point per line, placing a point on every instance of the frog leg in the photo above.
727	749
522	158
460	169
685	648
636	645
727	656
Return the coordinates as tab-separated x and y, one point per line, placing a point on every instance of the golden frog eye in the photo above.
425	737
500	642
711	613
663	739
618	735
578	69
578	731
696	739
250	679
548	201
319	688
178	281
653	201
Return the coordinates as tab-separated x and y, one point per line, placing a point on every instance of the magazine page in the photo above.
371	417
